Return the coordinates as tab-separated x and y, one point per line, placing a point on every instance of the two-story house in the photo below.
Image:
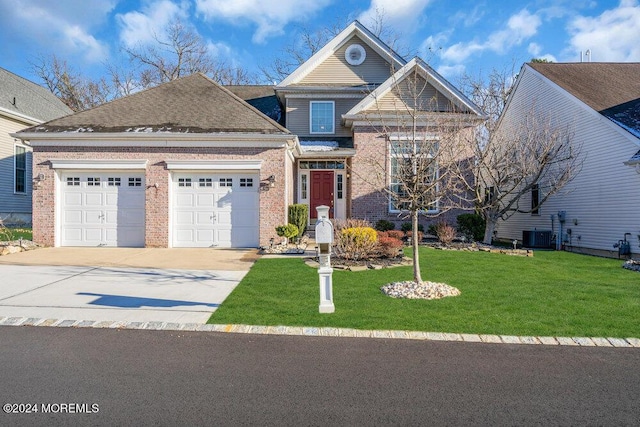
190	163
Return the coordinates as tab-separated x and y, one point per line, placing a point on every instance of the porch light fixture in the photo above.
37	180
272	181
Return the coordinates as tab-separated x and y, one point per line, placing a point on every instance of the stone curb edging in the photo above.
325	332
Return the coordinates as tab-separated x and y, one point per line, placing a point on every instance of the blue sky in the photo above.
453	36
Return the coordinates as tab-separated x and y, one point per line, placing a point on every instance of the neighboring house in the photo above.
22	104
600	105
192	164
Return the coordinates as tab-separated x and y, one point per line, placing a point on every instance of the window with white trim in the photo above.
73	181
409	159
182	182
322	117
205	182
246	182
93	181
225	182
20	166
113	182
303	186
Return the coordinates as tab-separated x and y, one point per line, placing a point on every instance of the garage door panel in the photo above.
225	216
205	200
204	218
184	218
99	208
72	199
94	199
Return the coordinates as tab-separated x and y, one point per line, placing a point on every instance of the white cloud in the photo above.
519	28
451	71
534	49
612	36
400	14
66	25
270	17
140	27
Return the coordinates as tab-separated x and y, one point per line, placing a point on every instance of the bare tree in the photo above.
75	90
179	52
512	159
422	134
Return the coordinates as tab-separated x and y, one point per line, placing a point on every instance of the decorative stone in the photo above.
422	290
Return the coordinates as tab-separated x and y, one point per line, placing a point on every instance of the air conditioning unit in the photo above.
537	238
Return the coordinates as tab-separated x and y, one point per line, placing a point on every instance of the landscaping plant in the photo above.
298	215
287	231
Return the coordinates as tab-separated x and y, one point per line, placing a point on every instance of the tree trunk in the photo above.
488	230
417	277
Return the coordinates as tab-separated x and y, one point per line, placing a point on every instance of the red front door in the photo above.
321	191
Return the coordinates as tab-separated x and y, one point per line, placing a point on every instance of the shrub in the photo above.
384	225
389	246
396	234
356	242
472	226
340	224
287	231
298	215
406	226
445	233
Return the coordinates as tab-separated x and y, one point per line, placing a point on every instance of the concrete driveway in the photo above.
120	284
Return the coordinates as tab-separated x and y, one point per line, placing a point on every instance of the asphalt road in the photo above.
137	377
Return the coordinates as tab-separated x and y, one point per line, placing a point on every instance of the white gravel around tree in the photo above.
422	290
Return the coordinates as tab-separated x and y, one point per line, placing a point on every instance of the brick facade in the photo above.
370	178
273	201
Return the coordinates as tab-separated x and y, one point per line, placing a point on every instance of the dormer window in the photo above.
322	117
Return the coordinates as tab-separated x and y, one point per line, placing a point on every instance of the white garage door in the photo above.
102	209
215	210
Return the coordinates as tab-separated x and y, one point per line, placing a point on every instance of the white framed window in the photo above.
225	182
20	168
409	158
113	182
205	182
137	182
304	186
182	182
246	182
322	117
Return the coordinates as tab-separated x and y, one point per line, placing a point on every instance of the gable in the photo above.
335	70
418	86
355	29
415	94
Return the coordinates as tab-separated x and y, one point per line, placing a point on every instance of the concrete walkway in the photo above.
174	286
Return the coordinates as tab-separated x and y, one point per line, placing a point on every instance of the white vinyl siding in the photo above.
422	94
336	70
604	199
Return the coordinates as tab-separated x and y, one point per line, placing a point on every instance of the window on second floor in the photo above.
20	182
322	117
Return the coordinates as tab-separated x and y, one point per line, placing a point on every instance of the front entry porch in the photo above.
323	182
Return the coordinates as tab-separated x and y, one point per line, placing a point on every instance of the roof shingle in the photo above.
192	104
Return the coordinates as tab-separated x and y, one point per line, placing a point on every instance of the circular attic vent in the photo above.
355	54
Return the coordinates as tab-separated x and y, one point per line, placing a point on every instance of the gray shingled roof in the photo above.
20	96
192	104
263	97
612	89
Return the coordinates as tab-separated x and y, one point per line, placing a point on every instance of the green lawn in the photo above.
9	234
551	294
